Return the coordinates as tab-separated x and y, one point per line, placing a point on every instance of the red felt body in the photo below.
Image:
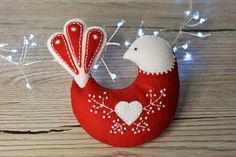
95	106
100	128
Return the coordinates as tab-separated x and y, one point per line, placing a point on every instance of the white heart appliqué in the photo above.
128	112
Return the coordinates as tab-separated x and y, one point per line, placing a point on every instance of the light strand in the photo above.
109	43
187	21
27	44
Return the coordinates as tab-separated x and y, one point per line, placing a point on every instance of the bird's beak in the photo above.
127	54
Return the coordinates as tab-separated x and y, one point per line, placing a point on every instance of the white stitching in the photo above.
73	50
159	73
67	51
86	51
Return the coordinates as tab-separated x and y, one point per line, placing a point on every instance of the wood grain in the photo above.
41	123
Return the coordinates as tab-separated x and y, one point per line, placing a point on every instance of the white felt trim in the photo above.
58	58
128	112
153	54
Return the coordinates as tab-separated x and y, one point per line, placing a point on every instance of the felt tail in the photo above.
77	48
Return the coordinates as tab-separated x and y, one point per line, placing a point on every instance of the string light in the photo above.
127	43
187	12
119	25
112	75
140	30
3	45
13	50
188	23
199	34
96	66
175	49
27	44
191	20
185	46
187	57
156	33
196	15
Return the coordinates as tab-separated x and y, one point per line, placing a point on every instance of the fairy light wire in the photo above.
109	43
187	22
22	61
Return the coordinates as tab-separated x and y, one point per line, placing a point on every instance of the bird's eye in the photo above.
135	49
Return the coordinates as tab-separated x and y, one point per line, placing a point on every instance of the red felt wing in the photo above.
95	41
60	50
74	31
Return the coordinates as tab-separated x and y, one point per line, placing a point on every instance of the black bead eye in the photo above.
135	49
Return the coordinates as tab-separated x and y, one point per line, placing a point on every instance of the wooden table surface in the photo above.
41	123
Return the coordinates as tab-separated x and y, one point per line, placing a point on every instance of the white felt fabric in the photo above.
128	112
152	54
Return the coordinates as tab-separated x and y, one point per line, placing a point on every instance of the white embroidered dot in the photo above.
95	37
57	42
73	29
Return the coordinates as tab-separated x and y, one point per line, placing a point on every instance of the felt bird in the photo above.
119	117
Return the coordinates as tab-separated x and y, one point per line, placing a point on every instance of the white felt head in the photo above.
152	54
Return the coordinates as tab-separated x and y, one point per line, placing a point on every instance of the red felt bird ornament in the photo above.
119	117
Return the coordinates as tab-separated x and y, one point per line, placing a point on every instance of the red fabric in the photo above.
60	46
94	41
74	31
100	128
